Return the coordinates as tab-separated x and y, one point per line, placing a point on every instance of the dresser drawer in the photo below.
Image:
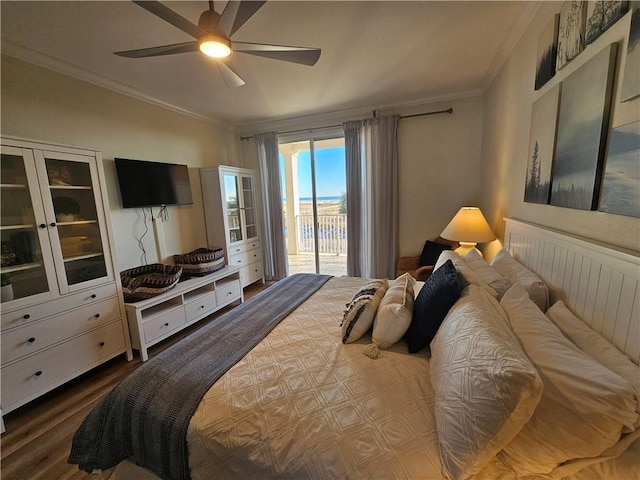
163	324
237	249
32	376
228	292
200	306
35	336
251	273
38	312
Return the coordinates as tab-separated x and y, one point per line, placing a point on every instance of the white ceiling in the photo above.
374	53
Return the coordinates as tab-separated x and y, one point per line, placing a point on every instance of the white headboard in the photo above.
599	282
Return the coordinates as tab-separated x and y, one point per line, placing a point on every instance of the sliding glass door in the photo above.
314	191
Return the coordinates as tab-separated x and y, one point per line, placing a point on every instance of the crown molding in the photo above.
45	61
514	35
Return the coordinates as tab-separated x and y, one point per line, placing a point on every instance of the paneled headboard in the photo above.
599	282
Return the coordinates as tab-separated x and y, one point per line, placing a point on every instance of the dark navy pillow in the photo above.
436	297
431	251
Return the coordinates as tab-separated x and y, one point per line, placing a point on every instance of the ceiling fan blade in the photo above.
303	55
185	47
171	17
235	15
229	74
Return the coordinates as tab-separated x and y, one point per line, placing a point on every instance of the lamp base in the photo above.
466	247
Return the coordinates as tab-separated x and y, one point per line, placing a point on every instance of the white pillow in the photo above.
516	272
489	274
485	387
464	269
595	345
361	310
394	313
584	406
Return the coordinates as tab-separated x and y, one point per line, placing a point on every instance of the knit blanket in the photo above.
147	415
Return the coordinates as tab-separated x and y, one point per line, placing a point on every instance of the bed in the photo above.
302	404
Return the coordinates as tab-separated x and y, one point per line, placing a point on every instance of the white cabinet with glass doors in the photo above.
56	257
236	189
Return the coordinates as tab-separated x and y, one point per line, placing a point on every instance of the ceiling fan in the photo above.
213	38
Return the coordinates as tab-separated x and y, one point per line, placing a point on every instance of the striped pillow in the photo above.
361	310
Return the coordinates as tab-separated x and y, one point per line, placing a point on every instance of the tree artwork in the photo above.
571	31
536	191
601	14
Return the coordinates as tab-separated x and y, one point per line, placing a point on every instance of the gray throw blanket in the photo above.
147	415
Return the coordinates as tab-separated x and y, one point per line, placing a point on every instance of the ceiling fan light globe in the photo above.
215	46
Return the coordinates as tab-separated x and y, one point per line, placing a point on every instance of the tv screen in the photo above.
148	184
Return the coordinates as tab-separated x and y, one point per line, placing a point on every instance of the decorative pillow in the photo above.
516	272
595	345
485	387
469	275
431	251
437	296
361	310
489	274
394	315
584	405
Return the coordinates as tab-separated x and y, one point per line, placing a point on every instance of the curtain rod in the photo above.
375	114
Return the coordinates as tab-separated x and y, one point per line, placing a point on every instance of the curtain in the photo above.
275	262
371	149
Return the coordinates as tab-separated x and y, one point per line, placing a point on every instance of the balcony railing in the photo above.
332	233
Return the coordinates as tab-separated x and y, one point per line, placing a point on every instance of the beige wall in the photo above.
439	161
507	118
42	105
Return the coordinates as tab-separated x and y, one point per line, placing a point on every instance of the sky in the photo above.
331	179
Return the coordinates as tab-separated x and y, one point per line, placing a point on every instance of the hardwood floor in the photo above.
38	435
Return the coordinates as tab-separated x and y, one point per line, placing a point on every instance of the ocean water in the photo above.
335	198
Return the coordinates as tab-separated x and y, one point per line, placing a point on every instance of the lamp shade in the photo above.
468	225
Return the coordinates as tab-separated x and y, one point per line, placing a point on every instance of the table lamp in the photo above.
468	227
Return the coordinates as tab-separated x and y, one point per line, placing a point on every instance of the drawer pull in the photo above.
38	373
97	315
166	324
101	344
93	295
31	340
26	316
201	306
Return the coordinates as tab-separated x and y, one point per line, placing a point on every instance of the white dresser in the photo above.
62	313
231	218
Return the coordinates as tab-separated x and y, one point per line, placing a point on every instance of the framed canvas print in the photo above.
631	78
571	31
583	123
547	51
542	143
621	184
601	14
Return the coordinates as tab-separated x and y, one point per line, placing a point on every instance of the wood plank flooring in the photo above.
38	435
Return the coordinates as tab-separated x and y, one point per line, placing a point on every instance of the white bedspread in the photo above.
304	405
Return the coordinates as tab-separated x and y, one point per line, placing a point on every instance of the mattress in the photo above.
303	405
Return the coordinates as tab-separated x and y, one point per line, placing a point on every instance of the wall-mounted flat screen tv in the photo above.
147	184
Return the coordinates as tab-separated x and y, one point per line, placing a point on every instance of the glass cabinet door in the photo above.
248	205
232	208
24	241
69	186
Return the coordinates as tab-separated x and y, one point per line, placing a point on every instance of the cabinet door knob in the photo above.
26	316
101	344
97	315
38	373
31	340
52	224
43	225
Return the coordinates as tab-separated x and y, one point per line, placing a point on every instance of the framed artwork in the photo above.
571	31
583	123
621	184
547	51
631	78
601	14
542	143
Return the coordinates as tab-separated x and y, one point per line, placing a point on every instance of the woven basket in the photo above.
201	261
148	281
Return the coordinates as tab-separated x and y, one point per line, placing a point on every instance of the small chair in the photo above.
421	266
